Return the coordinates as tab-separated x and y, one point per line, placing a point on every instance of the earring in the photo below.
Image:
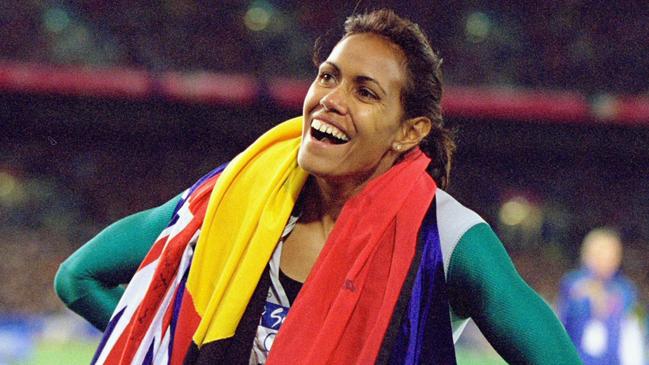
397	147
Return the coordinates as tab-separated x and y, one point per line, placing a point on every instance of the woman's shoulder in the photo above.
453	214
453	221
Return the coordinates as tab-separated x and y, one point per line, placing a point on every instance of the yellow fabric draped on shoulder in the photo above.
246	214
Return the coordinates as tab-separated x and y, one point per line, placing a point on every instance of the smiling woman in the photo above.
330	240
357	94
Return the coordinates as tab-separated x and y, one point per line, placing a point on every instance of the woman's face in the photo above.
353	111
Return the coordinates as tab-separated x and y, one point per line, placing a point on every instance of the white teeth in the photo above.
341	136
324	127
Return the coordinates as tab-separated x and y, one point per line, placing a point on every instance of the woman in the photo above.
343	200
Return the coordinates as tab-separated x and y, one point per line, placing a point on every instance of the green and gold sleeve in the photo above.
484	285
89	281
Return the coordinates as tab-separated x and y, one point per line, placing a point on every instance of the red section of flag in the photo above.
154	252
188	320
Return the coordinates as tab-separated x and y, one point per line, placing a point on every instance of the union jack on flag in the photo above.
154	320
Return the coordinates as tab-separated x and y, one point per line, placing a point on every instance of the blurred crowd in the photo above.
595	47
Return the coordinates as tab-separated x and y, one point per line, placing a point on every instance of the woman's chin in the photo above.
312	167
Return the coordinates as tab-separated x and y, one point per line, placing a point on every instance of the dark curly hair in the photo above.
422	94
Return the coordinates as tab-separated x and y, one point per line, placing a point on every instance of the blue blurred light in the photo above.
56	20
477	27
257	18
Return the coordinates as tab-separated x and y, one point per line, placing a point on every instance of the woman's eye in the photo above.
367	93
325	77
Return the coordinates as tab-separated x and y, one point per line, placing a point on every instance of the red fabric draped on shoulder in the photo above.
345	306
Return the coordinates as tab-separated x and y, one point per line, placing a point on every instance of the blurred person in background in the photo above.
597	304
330	226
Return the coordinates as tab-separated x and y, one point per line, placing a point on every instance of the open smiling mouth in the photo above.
327	133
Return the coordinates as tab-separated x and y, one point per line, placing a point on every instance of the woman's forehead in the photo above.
370	55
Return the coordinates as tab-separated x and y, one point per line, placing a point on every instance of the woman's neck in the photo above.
324	200
325	197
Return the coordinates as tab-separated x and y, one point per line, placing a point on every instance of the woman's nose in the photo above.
334	101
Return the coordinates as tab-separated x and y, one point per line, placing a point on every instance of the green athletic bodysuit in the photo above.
482	281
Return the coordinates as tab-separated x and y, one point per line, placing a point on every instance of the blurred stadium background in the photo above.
108	108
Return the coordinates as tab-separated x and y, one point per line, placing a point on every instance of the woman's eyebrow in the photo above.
361	79
336	68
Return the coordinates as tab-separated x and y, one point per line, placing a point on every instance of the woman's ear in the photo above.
412	131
